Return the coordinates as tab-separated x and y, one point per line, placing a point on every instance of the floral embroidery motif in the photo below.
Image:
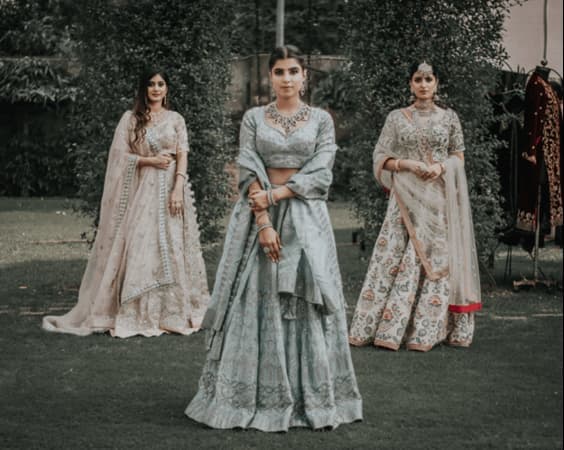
387	315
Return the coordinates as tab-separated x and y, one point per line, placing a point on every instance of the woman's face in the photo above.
423	85
156	89
287	78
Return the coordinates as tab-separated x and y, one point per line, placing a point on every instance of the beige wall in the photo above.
524	35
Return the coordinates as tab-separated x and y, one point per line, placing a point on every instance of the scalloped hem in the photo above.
223	417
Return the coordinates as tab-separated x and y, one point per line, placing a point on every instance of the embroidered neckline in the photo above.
157	118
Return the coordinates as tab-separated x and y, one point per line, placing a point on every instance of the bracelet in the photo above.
264	226
397	165
270	196
183	175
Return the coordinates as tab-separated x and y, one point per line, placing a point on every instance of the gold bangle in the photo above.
183	175
397	165
264	226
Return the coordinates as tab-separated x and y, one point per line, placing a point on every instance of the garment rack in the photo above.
536	281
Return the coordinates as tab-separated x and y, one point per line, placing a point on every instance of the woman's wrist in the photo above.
262	217
411	165
270	196
282	193
146	161
264	226
178	187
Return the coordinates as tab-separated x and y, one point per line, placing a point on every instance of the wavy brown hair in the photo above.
141	108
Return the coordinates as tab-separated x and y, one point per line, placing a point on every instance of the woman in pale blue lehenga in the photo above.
278	355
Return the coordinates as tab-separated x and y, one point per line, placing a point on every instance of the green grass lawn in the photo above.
61	391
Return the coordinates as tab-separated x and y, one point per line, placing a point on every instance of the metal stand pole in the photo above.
279	23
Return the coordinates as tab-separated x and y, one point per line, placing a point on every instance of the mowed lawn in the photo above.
62	391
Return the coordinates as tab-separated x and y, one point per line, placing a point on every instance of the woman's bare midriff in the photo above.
280	176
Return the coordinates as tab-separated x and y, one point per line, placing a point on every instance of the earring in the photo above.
436	97
164	101
412	98
303	89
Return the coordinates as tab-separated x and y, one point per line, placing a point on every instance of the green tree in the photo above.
463	39
190	40
312	25
36	90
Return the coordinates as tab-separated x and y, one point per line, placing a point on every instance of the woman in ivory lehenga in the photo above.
422	285
278	355
145	275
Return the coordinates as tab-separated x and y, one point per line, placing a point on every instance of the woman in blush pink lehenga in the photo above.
145	274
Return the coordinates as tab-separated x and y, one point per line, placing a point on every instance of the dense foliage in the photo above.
36	27
463	39
313	25
190	41
36	89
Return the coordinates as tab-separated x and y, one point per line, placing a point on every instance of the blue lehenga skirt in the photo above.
285	361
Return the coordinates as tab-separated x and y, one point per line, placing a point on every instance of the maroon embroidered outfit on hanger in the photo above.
542	125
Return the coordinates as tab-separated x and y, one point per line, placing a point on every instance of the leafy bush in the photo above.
312	25
36	28
23	157
35	98
35	81
190	40
463	39
36	89
333	93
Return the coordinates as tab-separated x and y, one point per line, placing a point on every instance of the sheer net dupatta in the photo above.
465	293
98	298
428	208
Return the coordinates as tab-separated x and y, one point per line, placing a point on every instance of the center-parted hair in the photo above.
286	52
141	108
415	66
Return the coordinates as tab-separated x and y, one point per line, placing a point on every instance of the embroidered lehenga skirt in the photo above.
398	303
284	361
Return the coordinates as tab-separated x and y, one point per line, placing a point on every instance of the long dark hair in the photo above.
141	108
285	52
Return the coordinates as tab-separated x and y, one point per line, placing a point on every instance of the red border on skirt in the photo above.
465	308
